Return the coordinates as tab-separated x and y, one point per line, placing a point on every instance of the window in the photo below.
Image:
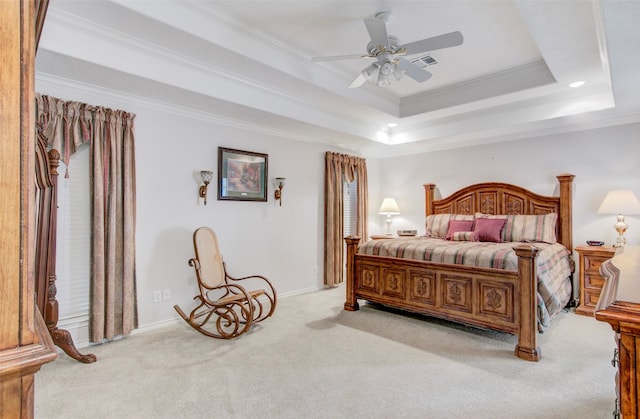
73	266
350	207
350	212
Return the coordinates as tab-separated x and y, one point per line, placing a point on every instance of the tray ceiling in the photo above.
247	63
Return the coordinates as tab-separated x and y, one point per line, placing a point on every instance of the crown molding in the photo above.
47	83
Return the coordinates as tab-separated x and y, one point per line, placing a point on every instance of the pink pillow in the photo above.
456	226
489	229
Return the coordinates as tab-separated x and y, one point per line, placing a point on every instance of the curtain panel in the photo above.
110	135
340	168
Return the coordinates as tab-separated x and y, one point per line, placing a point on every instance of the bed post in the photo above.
566	211
527	347
429	196
46	167
352	246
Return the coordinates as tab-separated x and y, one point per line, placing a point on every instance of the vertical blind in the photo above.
350	212
74	239
350	207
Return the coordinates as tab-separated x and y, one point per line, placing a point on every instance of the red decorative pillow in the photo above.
458	225
489	229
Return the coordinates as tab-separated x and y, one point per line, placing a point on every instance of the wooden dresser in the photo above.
619	305
591	281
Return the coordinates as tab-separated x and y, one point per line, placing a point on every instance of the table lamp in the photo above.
389	207
620	202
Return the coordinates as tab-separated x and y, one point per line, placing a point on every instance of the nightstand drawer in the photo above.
593	280
592	263
591	297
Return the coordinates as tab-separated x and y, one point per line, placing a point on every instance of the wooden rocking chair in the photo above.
234	308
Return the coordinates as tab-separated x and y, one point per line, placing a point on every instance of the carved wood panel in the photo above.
367	279
496	299
394	283
422	287
465	205
488	202
540	209
457	292
514	204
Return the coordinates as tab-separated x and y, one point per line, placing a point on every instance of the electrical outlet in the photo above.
157	296
166	295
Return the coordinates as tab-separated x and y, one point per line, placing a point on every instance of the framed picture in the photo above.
242	175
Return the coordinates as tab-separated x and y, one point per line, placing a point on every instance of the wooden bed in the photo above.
496	299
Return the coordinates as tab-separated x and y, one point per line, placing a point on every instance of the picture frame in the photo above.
242	175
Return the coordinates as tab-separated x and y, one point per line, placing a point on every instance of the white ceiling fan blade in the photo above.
339	57
413	71
377	29
359	81
446	40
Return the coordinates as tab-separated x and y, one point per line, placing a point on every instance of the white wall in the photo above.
283	243
601	159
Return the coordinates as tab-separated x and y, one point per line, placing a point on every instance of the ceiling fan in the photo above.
388	52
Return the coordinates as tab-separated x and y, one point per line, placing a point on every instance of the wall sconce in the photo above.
206	176
279	183
620	202
389	207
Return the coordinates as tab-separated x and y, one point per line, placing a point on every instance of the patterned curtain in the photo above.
110	135
339	168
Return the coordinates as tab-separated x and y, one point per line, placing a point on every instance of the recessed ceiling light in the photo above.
392	125
577	83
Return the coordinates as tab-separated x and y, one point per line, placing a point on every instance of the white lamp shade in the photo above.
622	202
389	207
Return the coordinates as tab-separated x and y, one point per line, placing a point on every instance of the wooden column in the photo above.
527	347
566	192
429	197
351	303
25	343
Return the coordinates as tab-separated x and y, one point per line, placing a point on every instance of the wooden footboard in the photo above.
490	298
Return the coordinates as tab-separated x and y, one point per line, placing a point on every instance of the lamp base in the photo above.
388	223
620	227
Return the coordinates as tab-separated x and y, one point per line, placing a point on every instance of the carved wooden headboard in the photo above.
504	198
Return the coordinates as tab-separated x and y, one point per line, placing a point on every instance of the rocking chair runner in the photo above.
234	308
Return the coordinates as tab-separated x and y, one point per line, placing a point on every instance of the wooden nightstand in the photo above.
591	282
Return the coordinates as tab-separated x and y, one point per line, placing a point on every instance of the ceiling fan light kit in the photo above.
388	52
380	73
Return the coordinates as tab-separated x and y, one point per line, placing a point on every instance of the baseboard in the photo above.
79	326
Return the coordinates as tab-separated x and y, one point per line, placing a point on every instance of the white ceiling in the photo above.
247	63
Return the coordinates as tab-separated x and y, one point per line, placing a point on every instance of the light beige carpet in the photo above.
314	360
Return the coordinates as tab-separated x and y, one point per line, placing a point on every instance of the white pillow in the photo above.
438	224
528	228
